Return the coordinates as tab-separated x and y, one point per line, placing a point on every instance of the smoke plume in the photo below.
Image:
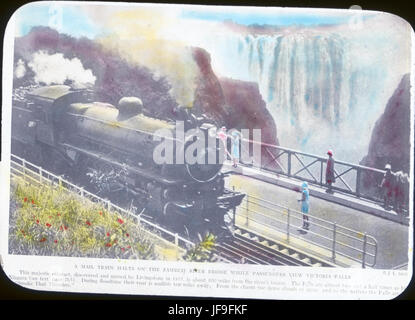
55	69
143	37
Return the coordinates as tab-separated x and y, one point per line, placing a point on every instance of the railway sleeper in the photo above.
265	243
306	260
286	251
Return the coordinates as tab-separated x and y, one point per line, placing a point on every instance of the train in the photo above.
64	130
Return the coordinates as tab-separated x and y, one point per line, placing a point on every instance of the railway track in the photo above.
246	247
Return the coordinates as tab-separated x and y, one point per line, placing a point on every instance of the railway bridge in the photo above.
349	227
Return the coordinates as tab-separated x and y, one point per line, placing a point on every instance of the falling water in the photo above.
319	94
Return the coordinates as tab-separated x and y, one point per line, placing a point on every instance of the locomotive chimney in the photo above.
129	107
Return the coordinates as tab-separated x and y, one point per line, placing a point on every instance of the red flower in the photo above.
25	199
42	240
88	223
56	241
129	247
127	234
59	214
65	227
120	221
100	213
108	234
61	228
33	201
48	225
108	244
37	221
122	249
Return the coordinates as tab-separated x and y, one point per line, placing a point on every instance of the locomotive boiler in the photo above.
65	131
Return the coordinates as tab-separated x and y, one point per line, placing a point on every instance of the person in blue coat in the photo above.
305	205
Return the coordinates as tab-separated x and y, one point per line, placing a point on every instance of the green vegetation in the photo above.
52	221
202	251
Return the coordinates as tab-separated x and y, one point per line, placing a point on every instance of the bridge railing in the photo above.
354	179
35	174
333	239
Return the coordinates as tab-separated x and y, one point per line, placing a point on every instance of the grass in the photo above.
51	221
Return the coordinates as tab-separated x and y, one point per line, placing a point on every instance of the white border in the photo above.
11	264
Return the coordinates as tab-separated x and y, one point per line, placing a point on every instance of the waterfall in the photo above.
320	88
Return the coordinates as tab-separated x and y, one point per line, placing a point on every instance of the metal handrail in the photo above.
61	181
365	248
318	163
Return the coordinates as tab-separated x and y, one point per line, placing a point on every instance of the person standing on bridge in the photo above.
401	184
387	186
305	205
330	174
222	135
235	147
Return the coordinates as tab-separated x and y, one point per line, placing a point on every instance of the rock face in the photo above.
390	141
234	104
209	97
248	110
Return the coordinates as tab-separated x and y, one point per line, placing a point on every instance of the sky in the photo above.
77	21
68	19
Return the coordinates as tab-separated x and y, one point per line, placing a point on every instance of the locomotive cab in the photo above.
39	113
34	118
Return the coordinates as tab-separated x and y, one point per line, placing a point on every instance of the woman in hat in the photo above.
330	174
387	186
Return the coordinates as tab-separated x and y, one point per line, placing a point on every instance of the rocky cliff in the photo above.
234	104
390	140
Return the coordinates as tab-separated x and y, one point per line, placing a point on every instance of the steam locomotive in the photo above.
63	130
